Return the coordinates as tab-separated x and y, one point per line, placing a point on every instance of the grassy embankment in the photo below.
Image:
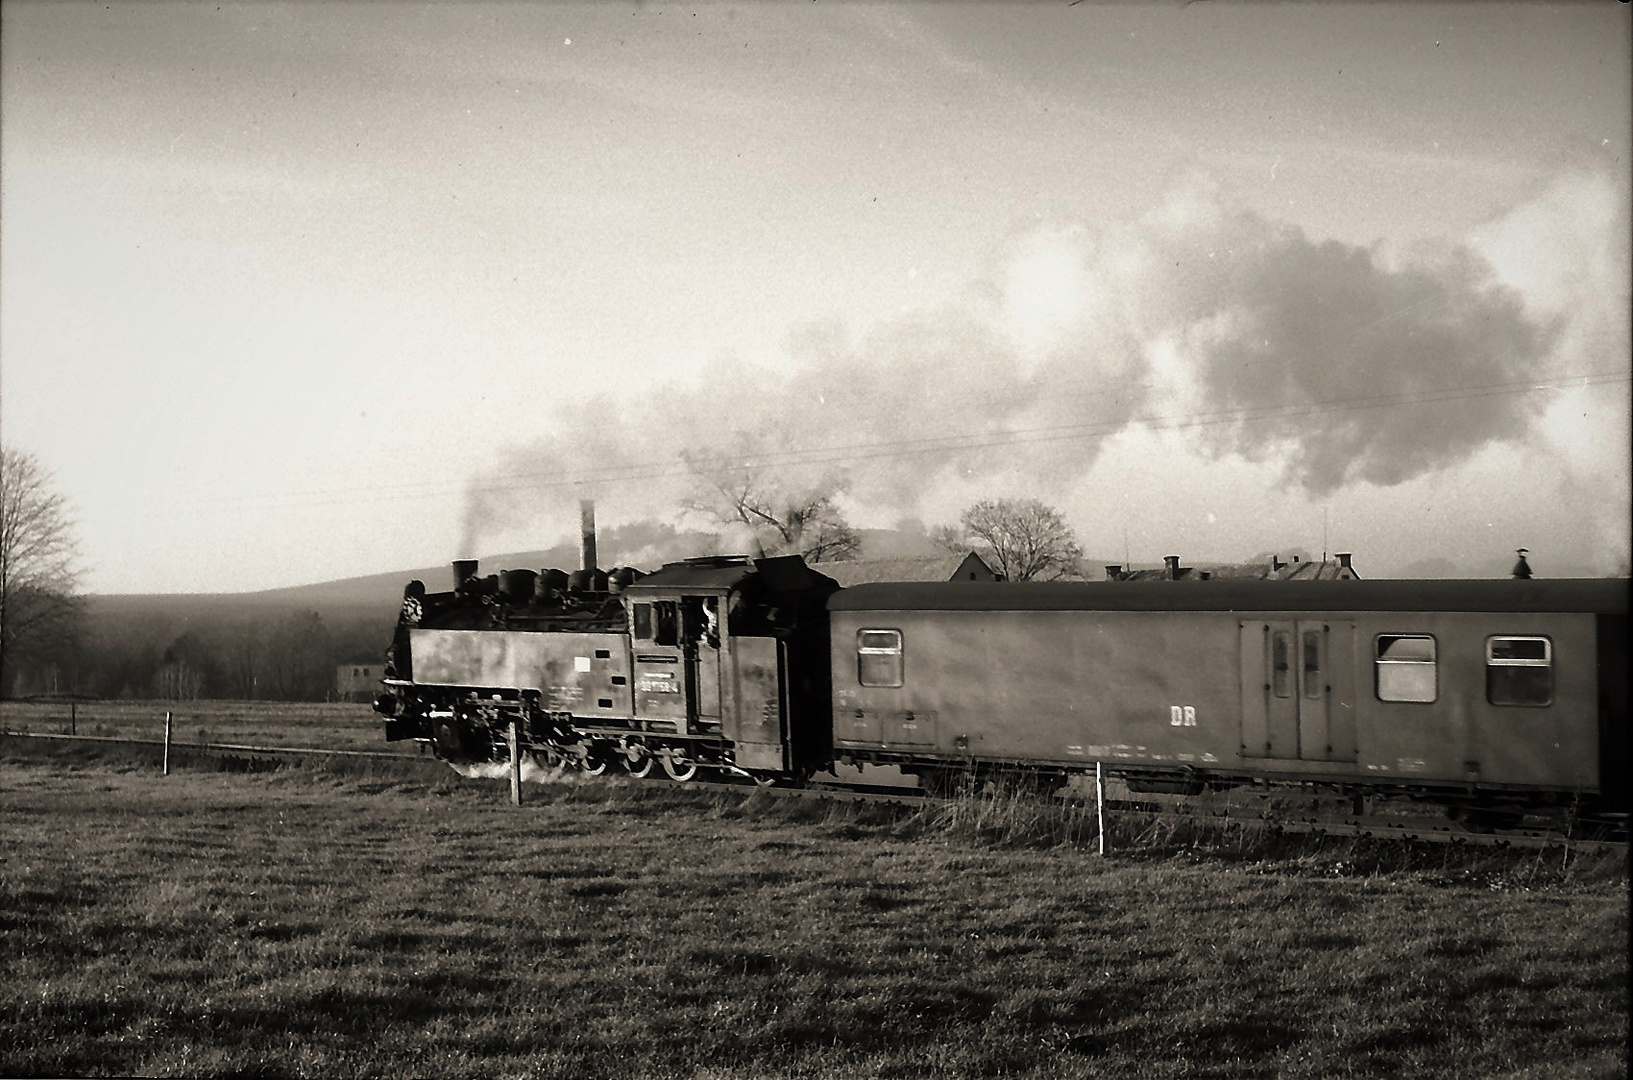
389	919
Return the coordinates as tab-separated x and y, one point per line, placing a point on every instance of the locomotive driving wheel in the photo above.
679	767
638	762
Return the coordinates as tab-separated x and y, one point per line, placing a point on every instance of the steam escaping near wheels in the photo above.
532	771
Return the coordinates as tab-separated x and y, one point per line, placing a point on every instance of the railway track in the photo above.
1420	828
223	748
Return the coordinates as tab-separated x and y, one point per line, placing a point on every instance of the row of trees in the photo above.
46	644
277	656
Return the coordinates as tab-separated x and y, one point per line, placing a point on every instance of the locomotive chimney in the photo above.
1114	571
1171	566
1522	569
1344	558
586	531
464	570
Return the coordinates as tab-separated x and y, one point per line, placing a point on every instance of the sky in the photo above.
297	292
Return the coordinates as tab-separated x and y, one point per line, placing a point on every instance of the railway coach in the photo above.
1488	693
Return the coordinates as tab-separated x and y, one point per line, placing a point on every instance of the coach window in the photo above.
879	657
1519	671
1313	686
1281	645
1406	667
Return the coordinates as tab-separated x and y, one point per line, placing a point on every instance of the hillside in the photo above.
644	546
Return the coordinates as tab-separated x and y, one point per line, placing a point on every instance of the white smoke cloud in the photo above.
1335	364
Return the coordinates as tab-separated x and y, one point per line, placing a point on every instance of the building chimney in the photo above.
586	534
1171	562
1114	571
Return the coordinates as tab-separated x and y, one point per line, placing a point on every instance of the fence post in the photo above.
515	766
1100	805
167	743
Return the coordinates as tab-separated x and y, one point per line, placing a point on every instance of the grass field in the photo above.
390	919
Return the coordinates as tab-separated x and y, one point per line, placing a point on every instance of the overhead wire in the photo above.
851	452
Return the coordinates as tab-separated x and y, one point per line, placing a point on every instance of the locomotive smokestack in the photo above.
586	530
464	570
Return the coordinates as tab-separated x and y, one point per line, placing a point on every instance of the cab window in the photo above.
1405	667
666	623
657	622
1519	670
879	657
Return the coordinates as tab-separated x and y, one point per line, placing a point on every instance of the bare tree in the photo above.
39	575
1023	539
785	519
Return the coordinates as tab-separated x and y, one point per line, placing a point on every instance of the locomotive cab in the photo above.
713	645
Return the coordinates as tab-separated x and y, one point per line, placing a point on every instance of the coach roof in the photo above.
1601	595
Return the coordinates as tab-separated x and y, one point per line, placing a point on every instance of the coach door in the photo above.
1298	690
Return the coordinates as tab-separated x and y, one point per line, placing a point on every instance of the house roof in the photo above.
849	572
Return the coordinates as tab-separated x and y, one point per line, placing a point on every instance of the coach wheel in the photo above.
638	762
679	767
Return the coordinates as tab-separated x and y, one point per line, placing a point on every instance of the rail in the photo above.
241	748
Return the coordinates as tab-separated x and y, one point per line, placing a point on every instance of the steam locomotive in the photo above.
1501	693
